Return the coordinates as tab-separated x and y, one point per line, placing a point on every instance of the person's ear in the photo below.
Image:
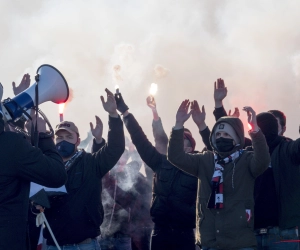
78	142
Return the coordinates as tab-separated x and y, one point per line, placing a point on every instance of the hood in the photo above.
267	122
238	127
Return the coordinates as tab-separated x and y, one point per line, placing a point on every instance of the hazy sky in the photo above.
253	45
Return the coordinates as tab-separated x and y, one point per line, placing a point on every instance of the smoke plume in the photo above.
253	45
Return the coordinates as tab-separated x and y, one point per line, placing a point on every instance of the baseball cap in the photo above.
68	126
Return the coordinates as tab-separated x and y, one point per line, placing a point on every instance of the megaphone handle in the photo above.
36	132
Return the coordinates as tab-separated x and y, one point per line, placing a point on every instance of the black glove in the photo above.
121	105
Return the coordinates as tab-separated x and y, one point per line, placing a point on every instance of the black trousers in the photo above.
172	239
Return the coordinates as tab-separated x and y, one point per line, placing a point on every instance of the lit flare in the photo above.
153	89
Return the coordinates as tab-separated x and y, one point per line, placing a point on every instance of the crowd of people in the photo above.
237	193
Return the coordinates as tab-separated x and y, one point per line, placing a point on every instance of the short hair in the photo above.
280	115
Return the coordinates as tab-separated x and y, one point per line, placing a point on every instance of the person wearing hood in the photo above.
226	178
277	190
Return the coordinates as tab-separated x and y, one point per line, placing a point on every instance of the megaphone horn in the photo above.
52	86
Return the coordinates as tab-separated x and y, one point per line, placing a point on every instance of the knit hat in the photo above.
68	126
267	122
188	135
226	127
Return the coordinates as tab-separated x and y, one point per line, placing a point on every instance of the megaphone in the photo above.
51	86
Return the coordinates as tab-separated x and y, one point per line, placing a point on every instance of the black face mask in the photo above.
224	144
65	149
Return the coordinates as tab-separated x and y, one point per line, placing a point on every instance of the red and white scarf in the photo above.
216	197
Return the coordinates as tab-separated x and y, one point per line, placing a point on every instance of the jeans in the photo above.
172	239
116	243
94	245
276	239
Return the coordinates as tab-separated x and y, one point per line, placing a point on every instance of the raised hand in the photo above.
22	86
121	105
98	130
110	106
251	118
151	102
236	113
183	114
220	92
41	124
198	115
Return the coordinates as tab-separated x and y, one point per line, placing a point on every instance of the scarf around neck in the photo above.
216	197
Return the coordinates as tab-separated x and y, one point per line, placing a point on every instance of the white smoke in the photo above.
253	45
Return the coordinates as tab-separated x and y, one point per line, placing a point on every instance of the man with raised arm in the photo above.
160	136
173	207
75	218
226	176
277	191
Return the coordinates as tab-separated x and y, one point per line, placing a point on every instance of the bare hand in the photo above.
98	130
251	118
236	113
22	86
110	105
182	114
151	102
220	91
198	115
41	124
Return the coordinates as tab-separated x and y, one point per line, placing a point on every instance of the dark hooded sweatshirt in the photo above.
277	190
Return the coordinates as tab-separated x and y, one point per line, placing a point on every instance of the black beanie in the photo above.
268	125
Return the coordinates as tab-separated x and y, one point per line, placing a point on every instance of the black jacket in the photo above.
79	214
285	168
21	164
174	192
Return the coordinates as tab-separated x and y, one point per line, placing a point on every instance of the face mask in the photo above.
224	144
65	149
